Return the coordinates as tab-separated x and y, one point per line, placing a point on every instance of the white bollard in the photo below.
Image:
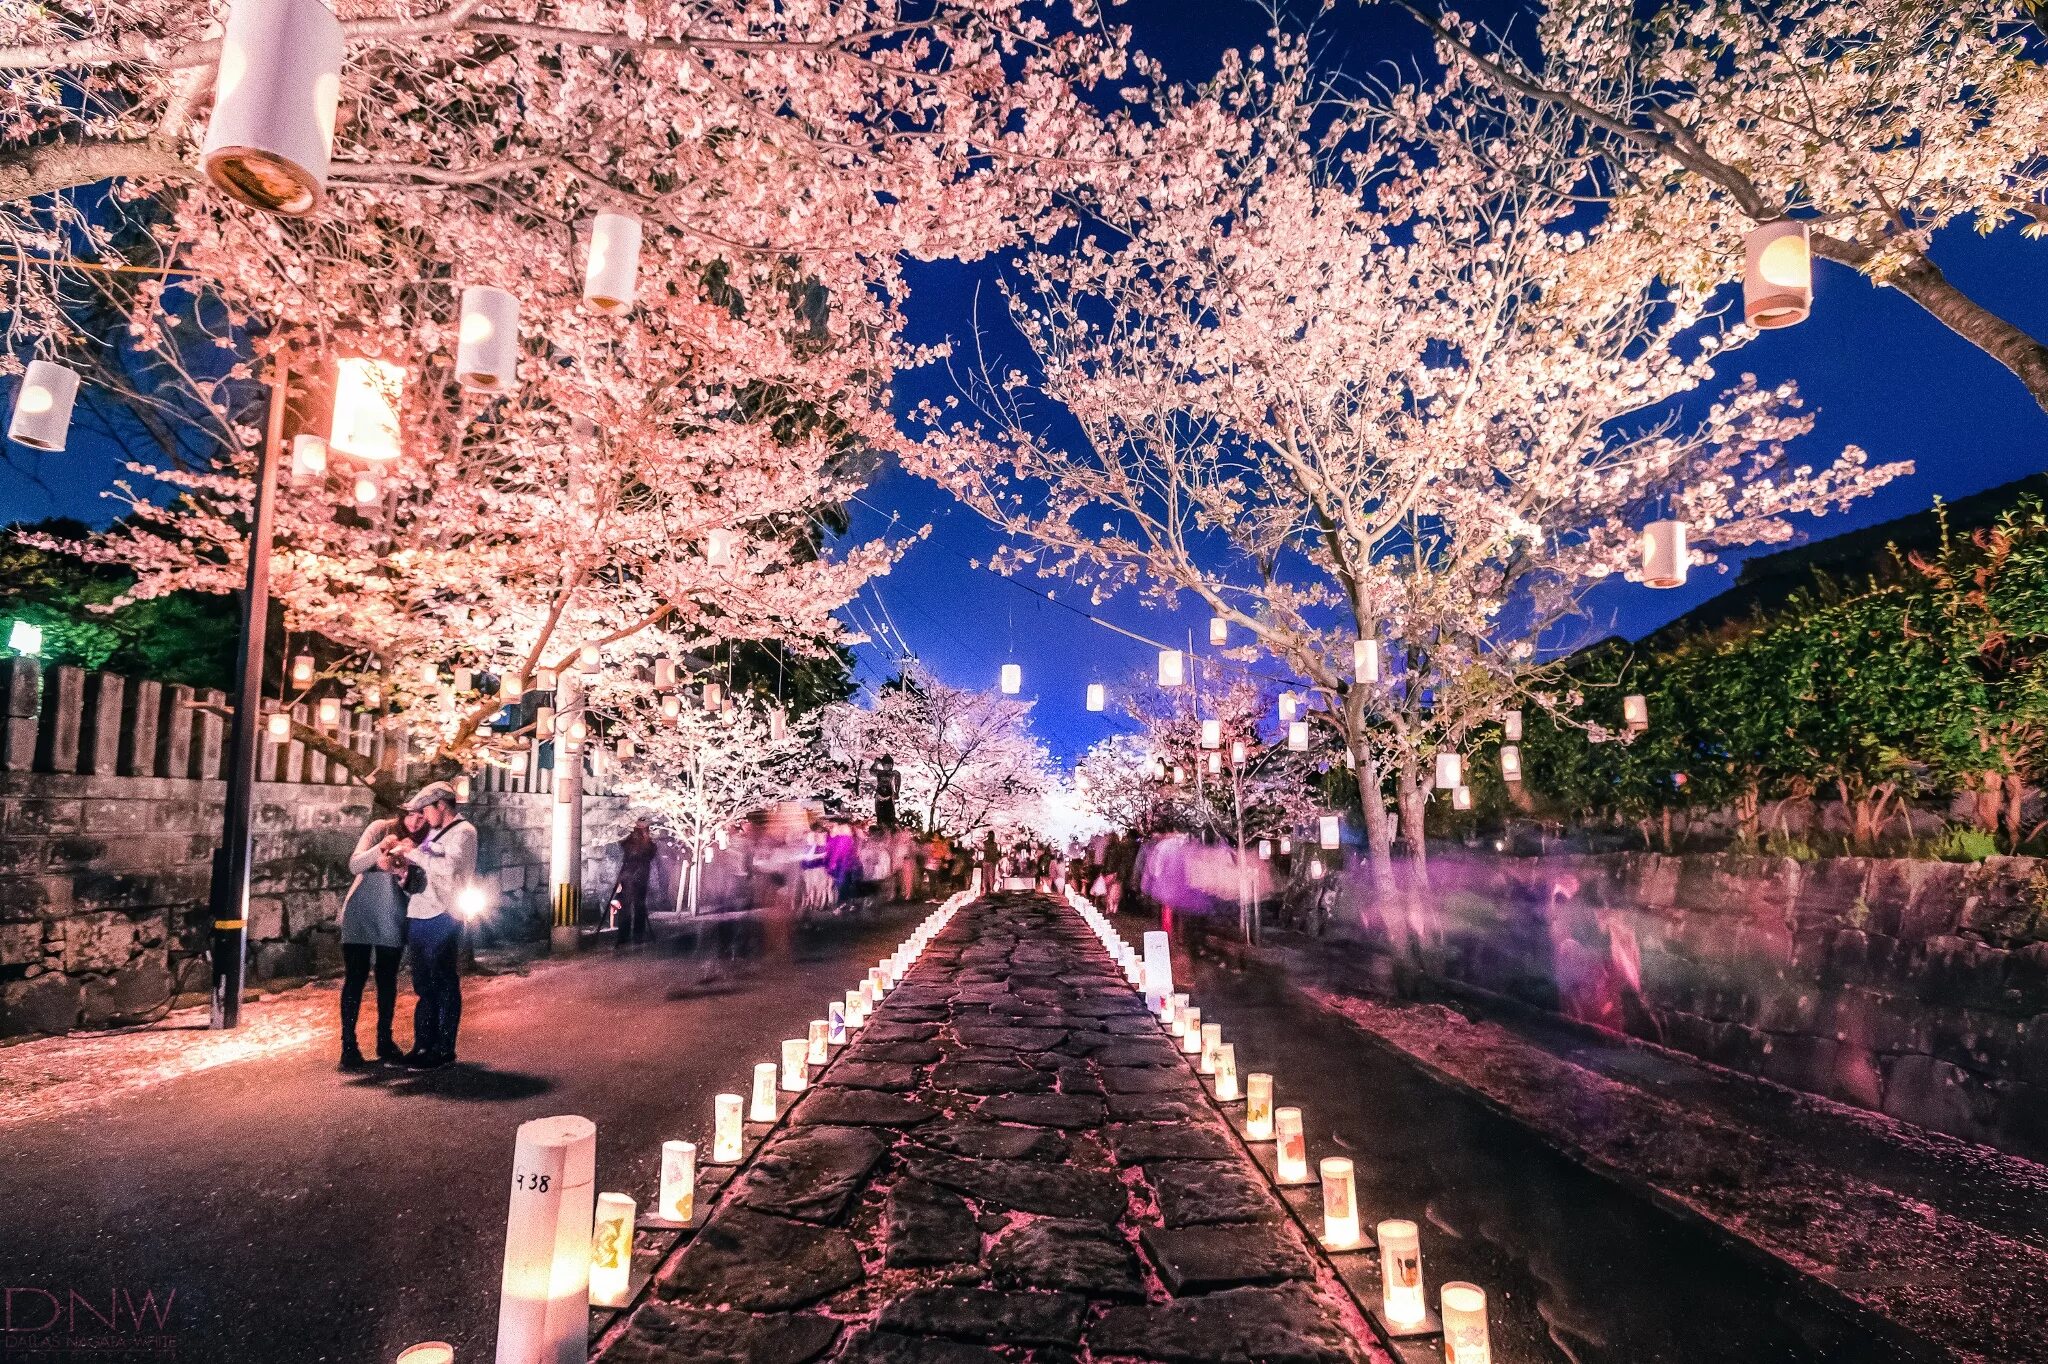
544	1301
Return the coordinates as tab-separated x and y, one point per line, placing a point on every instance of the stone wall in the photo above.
110	809
1918	989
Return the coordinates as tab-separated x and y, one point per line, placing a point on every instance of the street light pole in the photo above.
229	896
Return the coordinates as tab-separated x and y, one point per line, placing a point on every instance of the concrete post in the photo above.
565	846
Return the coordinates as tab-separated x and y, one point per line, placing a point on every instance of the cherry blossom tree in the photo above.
1879	122
1388	415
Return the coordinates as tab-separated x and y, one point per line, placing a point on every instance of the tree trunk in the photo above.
1379	829
1412	791
2015	801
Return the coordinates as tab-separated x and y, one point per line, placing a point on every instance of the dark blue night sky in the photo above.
1879	372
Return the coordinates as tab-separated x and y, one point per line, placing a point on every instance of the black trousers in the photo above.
633	908
358	959
436	946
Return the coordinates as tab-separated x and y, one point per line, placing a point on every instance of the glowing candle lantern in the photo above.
763	1107
544	721
611	1251
1777	275
625	749
1297	737
1180	775
1664	555
544	1300
1219	630
1265	850
487	343
516	764
578	730
1365	660
1450	771
1330	831
1258	1107
309	456
678	1180
718	547
1287	705
1175	1010
1173	668
664	672
1315	869
608	275
1291	1153
1096	696
1511	726
835	1024
820	1049
1286	845
1226	1072
725	1132
427	1352
1215	764
1465	1335
302	671
670	707
714	696
1013	679
1340	1203
329	712
856	1015
1158	969
1510	763
366	490
796	1070
1401	1272
1635	712
462	787
588	656
1212	734
280	726
1191	1032
274	99
464	679
1237	751
1461	797
1212	1038
365	421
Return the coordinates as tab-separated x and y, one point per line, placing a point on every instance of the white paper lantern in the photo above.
718	547
274	98
1511	726
302	670
763	1107
1286	845
1265	850
329	712
487	346
611	1250
1330	831
1013	679
1340	1203
1226	1073
1287	705
1461	797
368	492
1212	734
625	749
588	656
1173	668
1777	275
1365	660
464	679
670	707
1291	1154
42	406
1096	696
1664	554
1510	763
1219	630
1465	1335
543	1305
608	276
714	696
678	1181
1635	712
1258	1107
1401	1272
726	1131
366	398
1297	737
664	672
309	457
1215	764
279	726
796	1066
1450	771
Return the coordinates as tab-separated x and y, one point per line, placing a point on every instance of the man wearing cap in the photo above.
447	854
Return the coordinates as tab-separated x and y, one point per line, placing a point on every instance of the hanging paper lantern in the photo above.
366	395
544	722
1265	850
1365	660
367	491
1013	679
516	764
1287	706
1350	760
309	457
778	724
1450	771
578	731
1180	775
1330	831
1173	668
1777	275
302	671
670	707
1511	726
1219	630
625	749
718	547
608	276
1212	734
664	672
1664	554
1635	712
280	726
1215	764
1510	763
714	696
465	679
42	406
1096	696
1461	798
1237	753
1286	845
487	344
462	788
588	656
430	675
545	681
274	100
1297	737
1315	869
330	712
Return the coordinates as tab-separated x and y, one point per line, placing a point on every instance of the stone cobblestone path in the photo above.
1010	1162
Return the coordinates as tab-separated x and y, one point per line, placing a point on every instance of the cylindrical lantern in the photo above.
625	748
714	696
1330	830
725	1134
366	395
1258	1107
367	490
280	726
678	1180
1095	696
427	1352
1226	1072
763	1107
1173	668
820	1043
275	93
1286	845
1635	712
302	670
1664	555
796	1071
1297	737
1450	771
1013	679
487	345
1287	704
856	1012
1158	969
544	1300
1461	797
1265	850
1511	726
1212	734
1237	753
1291	1153
329	711
1340	1203
1401	1272
588	656
1510	763
611	1251
1315	869
718	547
1219	630
1777	275
835	1023
608	275
1465	1335
1365	660
1212	1038
1191	1032
309	456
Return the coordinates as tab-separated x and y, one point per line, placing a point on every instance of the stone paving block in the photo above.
906	1053
988	1315
1201	1259
861	1108
1146	1080
1085	1257
1193	1192
663	1334
985	1140
1135	1142
872	1075
974	1077
1043	1110
925	1225
1132	1052
879	1031
811	1173
1050	1190
760	1263
1158	1108
888	1347
1011	1038
1242	1326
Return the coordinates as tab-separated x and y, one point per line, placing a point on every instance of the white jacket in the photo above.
449	859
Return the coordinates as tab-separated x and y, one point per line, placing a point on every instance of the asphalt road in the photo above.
286	1212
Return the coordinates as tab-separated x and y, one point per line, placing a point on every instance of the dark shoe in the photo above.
352	1057
388	1052
418	1060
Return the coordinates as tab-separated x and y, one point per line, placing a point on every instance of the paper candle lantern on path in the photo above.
678	1180
1340	1203
1258	1107
796	1073
1777	275
487	342
274	99
1173	668
1664	564
1013	679
608	275
1401	1273
427	1352
1212	1038
544	1301
1096	696
1292	1152
1190	1021
1158	969
42	406
820	1050
1465	1335
1226	1072
835	1024
611	1251
726	1135
763	1107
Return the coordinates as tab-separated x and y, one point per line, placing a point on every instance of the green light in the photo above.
25	639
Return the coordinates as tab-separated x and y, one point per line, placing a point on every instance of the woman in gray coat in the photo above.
373	932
